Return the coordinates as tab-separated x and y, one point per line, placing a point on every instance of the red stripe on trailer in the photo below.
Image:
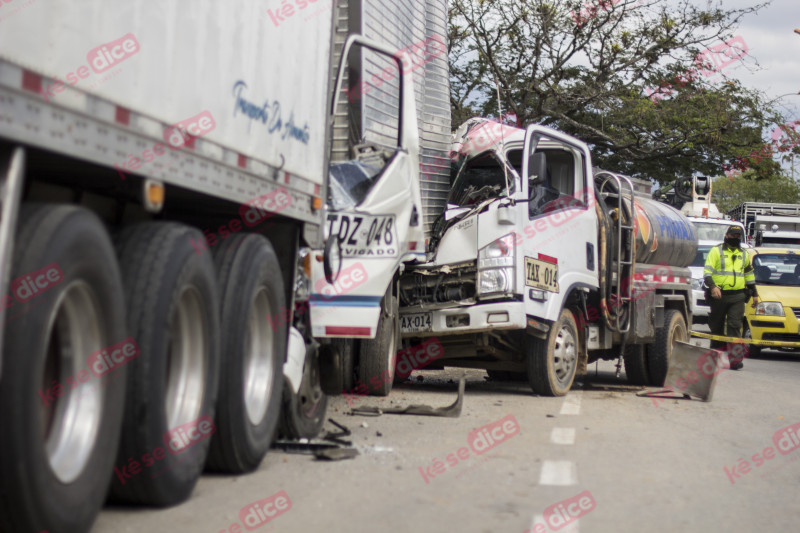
122	116
286	178
349	331
242	161
31	82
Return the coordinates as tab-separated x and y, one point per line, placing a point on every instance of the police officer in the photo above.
729	276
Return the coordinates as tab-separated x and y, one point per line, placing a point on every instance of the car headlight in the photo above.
770	309
496	266
697	284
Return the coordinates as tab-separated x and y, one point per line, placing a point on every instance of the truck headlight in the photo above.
302	283
770	309
697	284
496	266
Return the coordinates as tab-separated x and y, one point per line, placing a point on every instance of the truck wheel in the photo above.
552	362
254	348
60	422
336	366
636	364
303	414
173	314
378	357
659	353
752	349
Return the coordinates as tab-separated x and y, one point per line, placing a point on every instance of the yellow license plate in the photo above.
541	274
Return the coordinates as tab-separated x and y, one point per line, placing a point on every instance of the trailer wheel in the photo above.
552	362
173	314
303	413
60	422
659	353
253	350
377	359
636	364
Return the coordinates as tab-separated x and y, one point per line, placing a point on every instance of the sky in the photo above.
773	65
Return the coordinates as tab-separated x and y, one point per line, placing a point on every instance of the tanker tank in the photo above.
663	235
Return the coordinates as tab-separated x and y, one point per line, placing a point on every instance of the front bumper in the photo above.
470	319
774	328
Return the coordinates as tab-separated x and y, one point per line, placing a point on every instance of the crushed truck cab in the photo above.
540	264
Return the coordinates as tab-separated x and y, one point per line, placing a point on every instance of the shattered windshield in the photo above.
479	179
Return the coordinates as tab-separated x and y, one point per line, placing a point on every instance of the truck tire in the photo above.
57	452
552	362
659	353
336	367
254	348
303	413
173	314
377	357
636	364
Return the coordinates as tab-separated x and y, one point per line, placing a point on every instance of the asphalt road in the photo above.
625	463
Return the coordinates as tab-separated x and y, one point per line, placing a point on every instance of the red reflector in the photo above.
548	259
242	161
317	190
286	178
122	116
31	82
412	245
347	330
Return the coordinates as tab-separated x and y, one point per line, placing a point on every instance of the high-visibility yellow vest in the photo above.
731	269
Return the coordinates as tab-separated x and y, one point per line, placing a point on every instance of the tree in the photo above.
730	192
629	78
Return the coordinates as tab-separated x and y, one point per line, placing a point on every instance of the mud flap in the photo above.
693	371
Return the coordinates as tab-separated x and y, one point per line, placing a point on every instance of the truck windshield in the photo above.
480	178
780	242
710	231
777	269
700	258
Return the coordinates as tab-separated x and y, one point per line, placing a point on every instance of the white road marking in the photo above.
562	436
558	473
572	404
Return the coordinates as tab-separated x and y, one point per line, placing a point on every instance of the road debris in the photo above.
450	411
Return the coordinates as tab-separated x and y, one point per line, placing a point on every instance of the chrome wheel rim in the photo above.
71	423
187	360
258	361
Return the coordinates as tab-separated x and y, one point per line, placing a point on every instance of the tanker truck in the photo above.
540	265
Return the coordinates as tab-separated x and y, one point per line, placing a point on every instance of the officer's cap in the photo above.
735	230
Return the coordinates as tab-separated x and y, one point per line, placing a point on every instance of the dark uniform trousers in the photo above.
730	306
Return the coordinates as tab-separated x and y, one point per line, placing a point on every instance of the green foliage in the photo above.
587	68
730	192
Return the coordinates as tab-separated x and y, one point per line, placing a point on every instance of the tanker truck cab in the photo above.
532	270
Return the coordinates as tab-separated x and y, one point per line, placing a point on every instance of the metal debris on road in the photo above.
450	411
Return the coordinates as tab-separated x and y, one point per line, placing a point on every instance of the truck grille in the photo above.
438	285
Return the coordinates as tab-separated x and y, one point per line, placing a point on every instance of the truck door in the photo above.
560	236
374	219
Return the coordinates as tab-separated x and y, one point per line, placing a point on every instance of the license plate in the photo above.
364	236
415	323
541	274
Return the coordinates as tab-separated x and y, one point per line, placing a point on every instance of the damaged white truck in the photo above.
538	266
541	265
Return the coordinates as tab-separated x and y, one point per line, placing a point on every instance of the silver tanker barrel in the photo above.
663	235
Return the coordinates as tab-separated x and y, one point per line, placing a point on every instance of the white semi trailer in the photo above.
164	171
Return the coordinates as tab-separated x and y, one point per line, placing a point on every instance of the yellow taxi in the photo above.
775	318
